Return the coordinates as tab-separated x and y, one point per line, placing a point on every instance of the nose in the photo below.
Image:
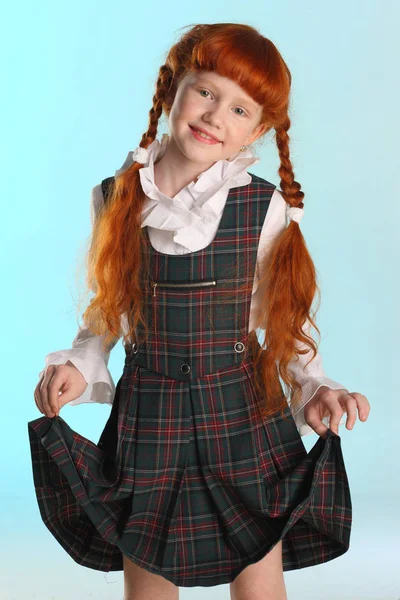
214	118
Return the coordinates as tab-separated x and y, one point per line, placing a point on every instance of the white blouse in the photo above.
186	223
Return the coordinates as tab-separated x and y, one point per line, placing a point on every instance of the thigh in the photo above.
262	580
140	584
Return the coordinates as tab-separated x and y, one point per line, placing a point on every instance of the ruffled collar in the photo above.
201	201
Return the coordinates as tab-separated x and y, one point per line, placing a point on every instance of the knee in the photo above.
140	584
262	580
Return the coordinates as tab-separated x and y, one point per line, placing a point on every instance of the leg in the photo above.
262	580
140	584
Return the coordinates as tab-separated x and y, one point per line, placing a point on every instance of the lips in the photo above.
206	132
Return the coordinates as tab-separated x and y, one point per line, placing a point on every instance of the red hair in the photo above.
117	268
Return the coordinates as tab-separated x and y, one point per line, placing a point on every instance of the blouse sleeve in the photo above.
87	353
312	377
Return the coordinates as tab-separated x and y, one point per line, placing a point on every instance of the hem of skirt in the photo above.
201	581
198	580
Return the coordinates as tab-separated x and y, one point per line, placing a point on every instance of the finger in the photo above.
314	421
351	409
336	414
362	405
44	390
36	396
55	387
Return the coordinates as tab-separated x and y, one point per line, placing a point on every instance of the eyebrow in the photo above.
201	79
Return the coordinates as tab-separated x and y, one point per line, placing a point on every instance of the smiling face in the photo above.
218	106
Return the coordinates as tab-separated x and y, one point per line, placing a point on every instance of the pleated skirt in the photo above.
189	482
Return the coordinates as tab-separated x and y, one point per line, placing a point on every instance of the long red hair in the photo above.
116	262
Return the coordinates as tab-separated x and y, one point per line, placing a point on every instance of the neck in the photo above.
174	171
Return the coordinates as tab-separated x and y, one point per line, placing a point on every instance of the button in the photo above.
134	348
239	347
185	368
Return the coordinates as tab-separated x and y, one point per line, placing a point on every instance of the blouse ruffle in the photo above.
197	208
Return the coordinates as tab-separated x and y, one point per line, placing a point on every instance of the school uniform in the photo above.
173	230
187	479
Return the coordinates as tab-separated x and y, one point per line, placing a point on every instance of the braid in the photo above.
163	85
290	187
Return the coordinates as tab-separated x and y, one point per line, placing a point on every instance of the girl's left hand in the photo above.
335	403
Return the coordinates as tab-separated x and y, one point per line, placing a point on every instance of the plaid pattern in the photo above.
187	479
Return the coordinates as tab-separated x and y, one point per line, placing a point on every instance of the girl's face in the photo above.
219	106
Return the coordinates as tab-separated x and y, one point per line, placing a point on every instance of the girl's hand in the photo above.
66	379
335	403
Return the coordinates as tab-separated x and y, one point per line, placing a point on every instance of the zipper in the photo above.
156	284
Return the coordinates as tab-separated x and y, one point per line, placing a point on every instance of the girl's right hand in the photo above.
66	379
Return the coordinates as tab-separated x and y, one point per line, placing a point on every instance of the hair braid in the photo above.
163	85
291	289
290	188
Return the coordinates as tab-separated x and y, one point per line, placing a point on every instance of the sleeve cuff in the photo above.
309	389
100	388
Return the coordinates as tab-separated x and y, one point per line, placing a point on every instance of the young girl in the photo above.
200	476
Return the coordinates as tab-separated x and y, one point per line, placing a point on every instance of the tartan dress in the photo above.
187	479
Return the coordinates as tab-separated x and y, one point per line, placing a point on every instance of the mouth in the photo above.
205	135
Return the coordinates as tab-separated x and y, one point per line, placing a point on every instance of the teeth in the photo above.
207	137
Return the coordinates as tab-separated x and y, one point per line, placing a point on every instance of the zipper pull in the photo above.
154	288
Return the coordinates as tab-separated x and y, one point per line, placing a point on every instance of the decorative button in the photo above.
134	348
185	368
239	347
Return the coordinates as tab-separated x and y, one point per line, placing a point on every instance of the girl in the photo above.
200	476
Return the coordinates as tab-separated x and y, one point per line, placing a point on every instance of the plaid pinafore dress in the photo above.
187	479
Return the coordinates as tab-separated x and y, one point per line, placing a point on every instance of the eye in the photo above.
204	91
244	114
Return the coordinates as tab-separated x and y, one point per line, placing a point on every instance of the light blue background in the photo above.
79	80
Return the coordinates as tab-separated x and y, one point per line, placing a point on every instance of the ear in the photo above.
169	100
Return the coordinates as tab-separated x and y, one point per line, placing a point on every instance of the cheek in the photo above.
242	132
188	108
